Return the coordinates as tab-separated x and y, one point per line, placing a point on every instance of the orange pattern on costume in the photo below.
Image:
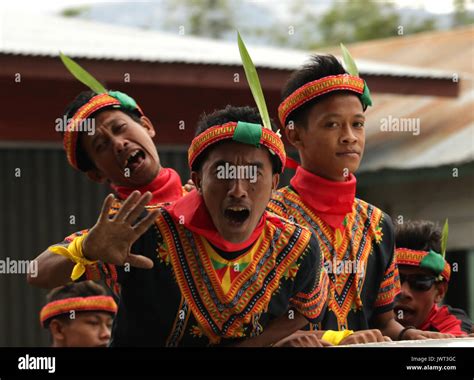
361	231
223	302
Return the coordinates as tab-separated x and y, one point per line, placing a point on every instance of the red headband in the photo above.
226	132
77	304
317	88
413	257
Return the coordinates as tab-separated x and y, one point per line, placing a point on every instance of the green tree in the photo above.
74	11
208	18
461	15
363	20
358	21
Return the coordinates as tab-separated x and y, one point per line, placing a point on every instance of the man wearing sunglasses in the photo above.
424	277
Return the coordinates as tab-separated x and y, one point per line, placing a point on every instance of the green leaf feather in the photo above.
349	63
82	75
444	238
254	82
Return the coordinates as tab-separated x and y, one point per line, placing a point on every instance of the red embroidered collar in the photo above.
330	200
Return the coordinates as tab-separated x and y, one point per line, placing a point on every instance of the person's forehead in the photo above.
94	314
338	103
104	120
107	117
232	151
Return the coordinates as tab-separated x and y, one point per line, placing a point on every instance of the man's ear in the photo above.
148	125
275	181
441	290
56	328
96	176
294	135
196	177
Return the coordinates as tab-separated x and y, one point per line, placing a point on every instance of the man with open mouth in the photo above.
323	114
424	277
116	148
216	268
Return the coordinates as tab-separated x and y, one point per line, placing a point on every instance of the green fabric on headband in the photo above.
433	261
352	69
365	97
248	133
126	101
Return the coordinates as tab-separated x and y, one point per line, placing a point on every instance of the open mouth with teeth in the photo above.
237	214
134	160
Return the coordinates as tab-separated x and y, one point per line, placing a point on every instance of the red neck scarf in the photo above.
329	200
443	321
166	187
191	211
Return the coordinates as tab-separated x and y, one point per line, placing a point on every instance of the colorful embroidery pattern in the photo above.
225	132
389	287
77	304
413	257
317	88
312	304
223	310
355	245
179	325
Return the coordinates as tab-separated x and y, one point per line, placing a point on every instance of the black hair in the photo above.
419	235
84	162
226	115
318	67
72	290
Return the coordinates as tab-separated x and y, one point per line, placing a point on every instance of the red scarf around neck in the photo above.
166	187
191	211
442	321
329	200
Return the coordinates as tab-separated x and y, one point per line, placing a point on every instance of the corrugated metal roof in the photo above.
39	34
446	125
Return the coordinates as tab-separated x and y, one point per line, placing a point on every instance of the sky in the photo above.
52	6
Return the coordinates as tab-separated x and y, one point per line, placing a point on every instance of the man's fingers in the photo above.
379	337
139	261
325	343
135	212
104	213
387	339
127	205
143	225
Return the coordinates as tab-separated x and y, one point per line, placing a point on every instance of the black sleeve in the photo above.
311	284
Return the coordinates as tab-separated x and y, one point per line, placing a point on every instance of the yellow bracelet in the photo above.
335	337
74	253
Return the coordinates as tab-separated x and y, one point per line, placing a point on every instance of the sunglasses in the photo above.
417	282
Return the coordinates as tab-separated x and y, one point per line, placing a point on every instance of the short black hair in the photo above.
420	235
84	163
76	289
226	115
318	67
73	290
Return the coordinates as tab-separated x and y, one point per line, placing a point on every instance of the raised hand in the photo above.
111	239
